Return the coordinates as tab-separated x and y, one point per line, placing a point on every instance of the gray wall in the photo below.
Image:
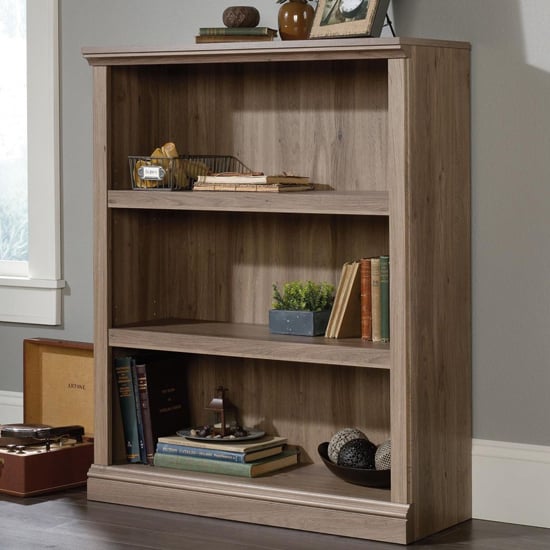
510	183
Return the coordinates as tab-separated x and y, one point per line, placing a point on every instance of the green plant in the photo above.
303	296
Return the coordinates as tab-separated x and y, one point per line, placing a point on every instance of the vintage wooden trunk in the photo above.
58	391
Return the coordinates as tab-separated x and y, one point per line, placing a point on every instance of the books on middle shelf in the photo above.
240	458
361	304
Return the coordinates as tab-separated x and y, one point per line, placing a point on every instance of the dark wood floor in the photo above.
68	521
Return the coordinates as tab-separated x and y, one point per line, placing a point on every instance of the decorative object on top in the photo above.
224	415
295	19
353	457
349	18
303	308
241	16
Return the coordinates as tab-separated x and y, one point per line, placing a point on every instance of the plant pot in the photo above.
295	20
299	323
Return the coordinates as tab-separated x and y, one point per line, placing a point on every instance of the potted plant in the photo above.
302	308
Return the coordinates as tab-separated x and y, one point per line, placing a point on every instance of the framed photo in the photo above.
349	18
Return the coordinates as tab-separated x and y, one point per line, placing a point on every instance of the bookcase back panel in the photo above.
330	124
221	267
306	403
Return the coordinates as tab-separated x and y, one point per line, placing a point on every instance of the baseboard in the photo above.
11	407
511	482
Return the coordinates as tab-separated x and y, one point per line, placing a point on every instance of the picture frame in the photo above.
349	18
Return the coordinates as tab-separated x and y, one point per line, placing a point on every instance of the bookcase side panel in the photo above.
102	294
439	277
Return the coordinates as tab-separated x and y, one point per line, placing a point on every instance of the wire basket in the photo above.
179	173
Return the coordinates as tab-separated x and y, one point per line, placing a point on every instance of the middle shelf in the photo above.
251	342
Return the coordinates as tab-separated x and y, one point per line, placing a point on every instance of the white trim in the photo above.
11	407
36	298
511	482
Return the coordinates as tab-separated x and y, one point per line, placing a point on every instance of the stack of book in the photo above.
238	458
361	302
153	402
235	34
252	182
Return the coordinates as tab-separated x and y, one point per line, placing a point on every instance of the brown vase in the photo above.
295	20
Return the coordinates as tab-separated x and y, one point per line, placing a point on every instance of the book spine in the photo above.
127	399
375	298
198	452
206	465
143	394
236	31
385	298
366	302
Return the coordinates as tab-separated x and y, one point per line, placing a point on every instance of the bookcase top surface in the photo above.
298	50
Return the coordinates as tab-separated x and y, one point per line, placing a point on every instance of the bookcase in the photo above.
383	127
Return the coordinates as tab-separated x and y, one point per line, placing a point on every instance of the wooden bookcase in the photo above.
384	126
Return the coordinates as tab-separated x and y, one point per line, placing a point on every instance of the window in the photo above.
30	276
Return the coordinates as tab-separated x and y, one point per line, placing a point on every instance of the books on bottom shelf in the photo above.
257	182
247	459
361	302
152	400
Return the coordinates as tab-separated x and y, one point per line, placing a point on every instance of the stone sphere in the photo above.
382	458
357	453
340	438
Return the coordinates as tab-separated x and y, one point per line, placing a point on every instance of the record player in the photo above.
53	448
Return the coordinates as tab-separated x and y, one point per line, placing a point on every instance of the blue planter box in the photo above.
300	323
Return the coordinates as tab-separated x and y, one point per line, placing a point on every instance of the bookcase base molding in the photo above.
274	501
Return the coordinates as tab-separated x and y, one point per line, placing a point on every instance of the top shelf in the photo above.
294	50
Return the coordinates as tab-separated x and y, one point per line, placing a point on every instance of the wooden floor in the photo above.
67	520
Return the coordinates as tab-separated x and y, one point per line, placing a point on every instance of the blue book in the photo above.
217	454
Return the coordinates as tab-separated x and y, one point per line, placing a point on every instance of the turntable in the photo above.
53	449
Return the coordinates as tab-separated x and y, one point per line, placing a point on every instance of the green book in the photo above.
385	298
237	31
288	457
128	404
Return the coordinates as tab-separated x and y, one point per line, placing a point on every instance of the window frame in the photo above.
35	297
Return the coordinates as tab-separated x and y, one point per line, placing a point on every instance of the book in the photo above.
348	323
375	300
260	187
220	453
127	400
139	416
337	304
384	298
208	39
251	179
366	303
162	392
231	31
288	457
245	446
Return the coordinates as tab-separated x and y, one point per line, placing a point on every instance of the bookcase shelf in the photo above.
382	127
253	342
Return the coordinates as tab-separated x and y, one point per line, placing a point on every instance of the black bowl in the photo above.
380	479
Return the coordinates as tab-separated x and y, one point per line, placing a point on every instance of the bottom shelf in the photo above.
307	498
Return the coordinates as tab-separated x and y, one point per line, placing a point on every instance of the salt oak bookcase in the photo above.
383	127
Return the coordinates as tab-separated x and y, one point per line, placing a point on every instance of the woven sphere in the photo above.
357	453
241	16
340	438
382	458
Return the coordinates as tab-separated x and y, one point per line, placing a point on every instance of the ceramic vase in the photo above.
295	20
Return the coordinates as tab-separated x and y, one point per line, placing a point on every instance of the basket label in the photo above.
151	173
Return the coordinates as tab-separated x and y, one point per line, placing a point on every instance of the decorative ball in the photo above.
340	438
382	458
241	16
357	453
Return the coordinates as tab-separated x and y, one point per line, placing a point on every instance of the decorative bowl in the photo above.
359	476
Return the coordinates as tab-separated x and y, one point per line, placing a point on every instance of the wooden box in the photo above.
58	391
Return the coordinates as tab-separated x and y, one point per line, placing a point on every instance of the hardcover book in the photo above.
286	458
384	298
260	31
375	297
252	179
208	39
236	446
349	325
366	303
217	454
